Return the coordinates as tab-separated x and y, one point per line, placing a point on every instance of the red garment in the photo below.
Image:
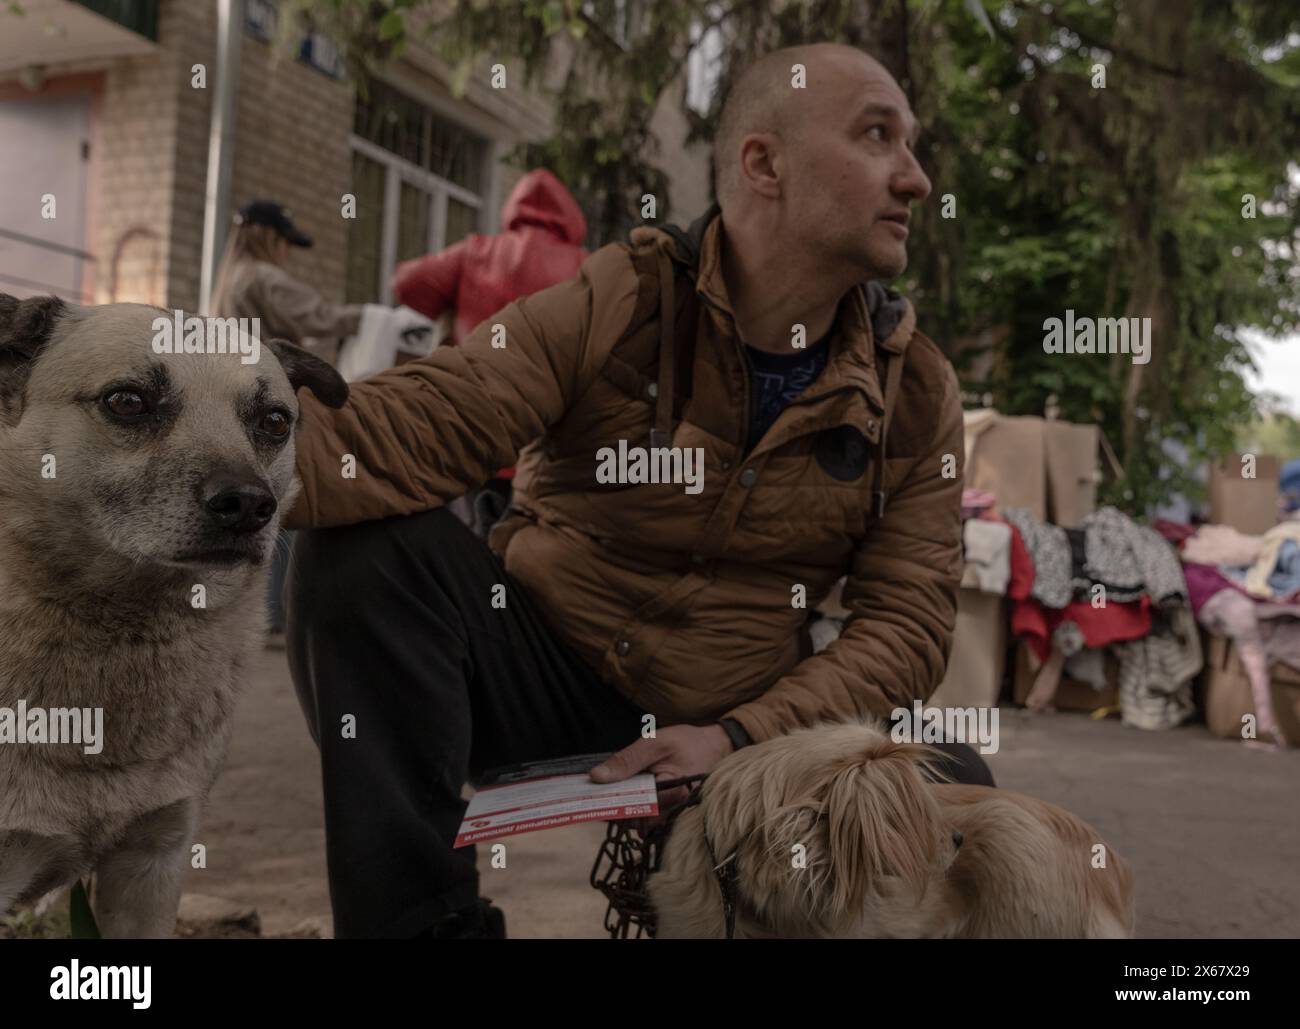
1022	568
1174	532
1113	623
540	247
1100	626
1022	565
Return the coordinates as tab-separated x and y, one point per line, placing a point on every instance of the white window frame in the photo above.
396	170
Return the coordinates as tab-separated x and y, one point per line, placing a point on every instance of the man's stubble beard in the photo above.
879	263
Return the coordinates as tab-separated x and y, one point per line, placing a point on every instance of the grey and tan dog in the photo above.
140	498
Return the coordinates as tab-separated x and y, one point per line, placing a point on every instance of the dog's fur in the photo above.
97	569
881	857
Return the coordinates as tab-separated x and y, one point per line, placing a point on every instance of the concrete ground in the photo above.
1210	826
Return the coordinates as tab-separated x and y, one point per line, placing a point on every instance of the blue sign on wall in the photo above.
317	50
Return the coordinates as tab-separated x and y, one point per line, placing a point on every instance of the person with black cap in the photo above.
253	282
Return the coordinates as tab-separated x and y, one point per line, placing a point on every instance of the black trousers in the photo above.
413	683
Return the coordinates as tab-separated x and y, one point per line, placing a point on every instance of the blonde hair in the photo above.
245	243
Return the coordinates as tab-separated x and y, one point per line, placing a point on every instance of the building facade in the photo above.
105	111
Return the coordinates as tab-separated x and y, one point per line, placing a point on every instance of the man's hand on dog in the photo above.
674	752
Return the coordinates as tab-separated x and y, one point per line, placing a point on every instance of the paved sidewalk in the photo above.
1210	826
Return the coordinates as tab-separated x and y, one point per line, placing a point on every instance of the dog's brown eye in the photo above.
125	404
274	424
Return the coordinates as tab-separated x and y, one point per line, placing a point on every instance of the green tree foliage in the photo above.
1273	433
1123	199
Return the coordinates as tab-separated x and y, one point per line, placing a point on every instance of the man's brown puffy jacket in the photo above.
692	605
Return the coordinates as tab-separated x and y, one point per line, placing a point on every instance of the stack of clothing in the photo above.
1266	567
1109	583
1247	588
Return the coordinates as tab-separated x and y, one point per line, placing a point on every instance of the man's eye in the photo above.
880	132
275	423
125	403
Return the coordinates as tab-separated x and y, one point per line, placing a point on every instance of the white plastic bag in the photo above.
384	333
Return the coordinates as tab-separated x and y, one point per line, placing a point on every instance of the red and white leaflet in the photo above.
520	807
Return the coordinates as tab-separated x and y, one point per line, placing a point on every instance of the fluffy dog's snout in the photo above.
237	503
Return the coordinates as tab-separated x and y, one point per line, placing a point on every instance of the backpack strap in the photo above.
676	367
676	351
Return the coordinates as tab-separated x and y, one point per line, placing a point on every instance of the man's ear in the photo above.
25	329
306	369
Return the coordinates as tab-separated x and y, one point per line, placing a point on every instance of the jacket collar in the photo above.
869	312
688	244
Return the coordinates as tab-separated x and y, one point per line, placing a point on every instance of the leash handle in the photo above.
685	780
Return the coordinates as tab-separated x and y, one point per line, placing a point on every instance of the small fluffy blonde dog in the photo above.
834	832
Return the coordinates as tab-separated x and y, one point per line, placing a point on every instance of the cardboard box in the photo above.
1072	476
1248	505
1071	694
1228	697
1049	468
979	652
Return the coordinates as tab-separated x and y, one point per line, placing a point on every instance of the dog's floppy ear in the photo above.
25	328
306	369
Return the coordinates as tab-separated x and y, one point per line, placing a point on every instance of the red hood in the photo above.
539	198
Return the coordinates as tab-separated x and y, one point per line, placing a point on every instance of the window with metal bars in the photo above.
418	179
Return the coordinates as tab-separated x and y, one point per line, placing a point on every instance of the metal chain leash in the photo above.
628	856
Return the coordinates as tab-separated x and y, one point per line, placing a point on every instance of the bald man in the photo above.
815	183
712	428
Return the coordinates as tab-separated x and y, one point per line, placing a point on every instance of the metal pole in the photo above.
221	145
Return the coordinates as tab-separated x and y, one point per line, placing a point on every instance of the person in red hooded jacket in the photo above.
541	245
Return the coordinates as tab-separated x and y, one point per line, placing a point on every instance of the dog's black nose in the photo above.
957	837
238	503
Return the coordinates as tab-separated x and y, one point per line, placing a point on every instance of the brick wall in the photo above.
136	137
292	144
188	33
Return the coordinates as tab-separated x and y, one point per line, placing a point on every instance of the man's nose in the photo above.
237	502
910	181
